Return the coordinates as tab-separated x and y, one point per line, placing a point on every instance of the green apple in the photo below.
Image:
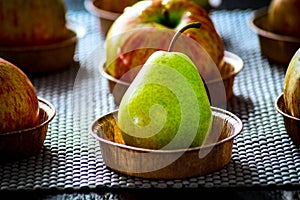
127	47
32	22
284	17
19	107
291	91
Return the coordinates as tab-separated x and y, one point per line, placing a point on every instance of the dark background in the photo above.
244	4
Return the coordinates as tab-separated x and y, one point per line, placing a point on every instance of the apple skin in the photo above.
166	106
291	90
32	22
19	107
284	17
126	37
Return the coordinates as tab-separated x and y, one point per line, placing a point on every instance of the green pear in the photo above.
291	90
166	106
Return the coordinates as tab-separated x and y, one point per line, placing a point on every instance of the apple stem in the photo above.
190	25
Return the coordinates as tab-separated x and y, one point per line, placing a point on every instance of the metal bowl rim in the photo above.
75	28
227	56
238	130
260	13
50	117
89	5
278	108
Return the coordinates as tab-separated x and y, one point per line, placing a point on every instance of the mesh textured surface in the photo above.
262	155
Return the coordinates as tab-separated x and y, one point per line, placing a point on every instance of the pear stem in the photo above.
188	26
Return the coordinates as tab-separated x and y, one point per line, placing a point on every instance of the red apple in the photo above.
32	22
19	107
284	17
148	26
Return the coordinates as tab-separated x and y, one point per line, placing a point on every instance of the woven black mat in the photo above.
263	154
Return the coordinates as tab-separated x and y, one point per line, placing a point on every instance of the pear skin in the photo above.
291	88
166	106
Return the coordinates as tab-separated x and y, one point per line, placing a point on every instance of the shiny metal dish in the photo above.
292	124
106	17
277	48
167	164
27	142
45	58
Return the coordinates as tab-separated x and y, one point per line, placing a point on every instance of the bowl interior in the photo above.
225	127
232	66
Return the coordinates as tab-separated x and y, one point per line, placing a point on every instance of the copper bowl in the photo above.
45	58
27	142
277	48
107	17
167	164
232	66
292	124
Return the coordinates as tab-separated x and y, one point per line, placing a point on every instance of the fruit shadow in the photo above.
62	80
279	67
72	68
45	154
241	106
